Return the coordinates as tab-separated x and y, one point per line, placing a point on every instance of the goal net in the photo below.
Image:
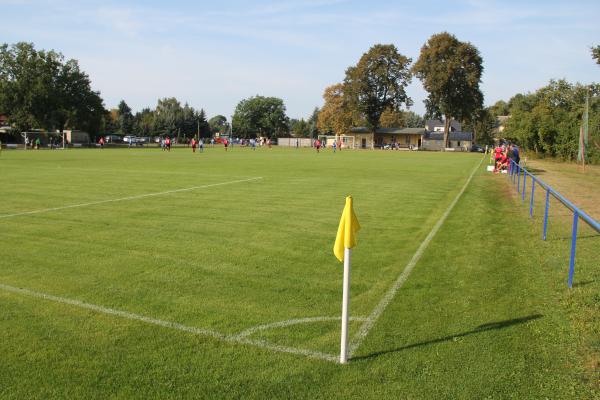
347	142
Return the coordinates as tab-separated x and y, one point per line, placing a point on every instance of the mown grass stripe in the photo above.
364	329
141	196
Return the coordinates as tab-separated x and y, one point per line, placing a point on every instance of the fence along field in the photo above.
518	176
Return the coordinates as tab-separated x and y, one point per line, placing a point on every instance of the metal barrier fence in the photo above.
515	172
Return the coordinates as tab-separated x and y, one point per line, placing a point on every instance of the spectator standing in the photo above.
516	155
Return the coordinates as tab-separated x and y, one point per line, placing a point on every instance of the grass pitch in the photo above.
241	243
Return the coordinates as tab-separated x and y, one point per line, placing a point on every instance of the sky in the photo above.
213	54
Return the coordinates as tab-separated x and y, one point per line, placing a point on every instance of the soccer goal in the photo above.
347	142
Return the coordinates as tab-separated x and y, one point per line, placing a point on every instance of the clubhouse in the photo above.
431	137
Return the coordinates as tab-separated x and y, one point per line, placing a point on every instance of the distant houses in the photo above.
431	137
457	141
501	121
437	125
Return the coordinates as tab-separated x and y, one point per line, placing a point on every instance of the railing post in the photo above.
532	196
573	247
519	180
512	171
524	179
546	213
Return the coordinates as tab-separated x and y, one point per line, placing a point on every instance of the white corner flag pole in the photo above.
345	307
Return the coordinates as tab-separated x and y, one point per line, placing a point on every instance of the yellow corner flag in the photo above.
346	234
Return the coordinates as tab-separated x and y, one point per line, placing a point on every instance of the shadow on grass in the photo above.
561	238
481	328
536	171
584	283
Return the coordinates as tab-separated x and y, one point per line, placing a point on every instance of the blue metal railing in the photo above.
515	172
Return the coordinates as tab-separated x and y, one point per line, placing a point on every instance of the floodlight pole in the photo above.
345	307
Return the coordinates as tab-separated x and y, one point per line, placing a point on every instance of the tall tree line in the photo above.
548	121
373	92
40	89
169	118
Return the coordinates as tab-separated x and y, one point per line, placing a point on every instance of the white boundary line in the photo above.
141	196
290	322
362	333
239	339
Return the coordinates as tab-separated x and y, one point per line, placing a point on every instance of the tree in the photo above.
111	121
596	54
299	128
189	121
548	121
39	89
414	120
391	119
125	118
75	104
23	85
202	124
143	122
378	82
499	108
218	124
450	71
313	123
482	123
168	116
260	116
336	116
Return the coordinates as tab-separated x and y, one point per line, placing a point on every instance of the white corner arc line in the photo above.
172	325
285	349
282	324
141	196
112	311
363	331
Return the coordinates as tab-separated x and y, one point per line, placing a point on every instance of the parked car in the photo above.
113	139
477	149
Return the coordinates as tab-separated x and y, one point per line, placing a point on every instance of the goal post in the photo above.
347	142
